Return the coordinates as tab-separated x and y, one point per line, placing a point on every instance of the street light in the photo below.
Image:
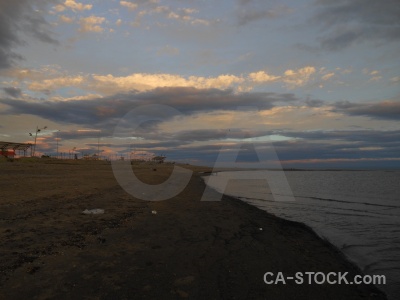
73	151
36	132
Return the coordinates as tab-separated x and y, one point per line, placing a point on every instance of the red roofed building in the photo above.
7	149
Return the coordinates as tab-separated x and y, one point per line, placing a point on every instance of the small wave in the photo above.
325	199
348	246
352	215
386	249
349	202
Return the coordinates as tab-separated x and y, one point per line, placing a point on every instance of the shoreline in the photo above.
319	234
188	249
311	230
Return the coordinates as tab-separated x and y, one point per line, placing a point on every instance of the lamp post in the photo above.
36	133
73	151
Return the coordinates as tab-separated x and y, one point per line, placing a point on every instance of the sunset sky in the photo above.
320	79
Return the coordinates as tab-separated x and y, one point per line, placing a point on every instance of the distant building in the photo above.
7	153
159	159
7	149
90	157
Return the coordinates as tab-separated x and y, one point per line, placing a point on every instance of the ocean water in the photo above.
357	211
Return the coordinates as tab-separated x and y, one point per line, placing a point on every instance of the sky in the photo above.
316	81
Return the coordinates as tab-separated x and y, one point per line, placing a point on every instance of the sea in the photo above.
357	211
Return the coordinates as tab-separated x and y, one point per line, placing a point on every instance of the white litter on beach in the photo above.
95	211
154	212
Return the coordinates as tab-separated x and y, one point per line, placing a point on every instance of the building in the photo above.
159	159
91	157
8	149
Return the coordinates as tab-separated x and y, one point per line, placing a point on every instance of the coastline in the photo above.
188	249
323	239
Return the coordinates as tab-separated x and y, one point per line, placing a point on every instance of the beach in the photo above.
173	249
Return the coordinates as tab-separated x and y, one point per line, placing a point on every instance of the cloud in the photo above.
291	78
333	146
262	77
91	24
129	5
368	138
51	78
13	92
353	148
200	135
314	148
182	14
375	75
66	19
74	98
204	142
348	22
76	6
299	77
143	82
81	134
249	11
56	83
327	76
153	7
368	147
59	8
25	74
107	110
246	16
395	80
314	102
387	110
21	17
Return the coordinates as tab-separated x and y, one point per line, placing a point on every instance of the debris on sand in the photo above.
94	211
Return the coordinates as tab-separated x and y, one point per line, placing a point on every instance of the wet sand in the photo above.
188	249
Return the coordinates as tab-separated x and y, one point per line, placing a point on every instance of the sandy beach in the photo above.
187	249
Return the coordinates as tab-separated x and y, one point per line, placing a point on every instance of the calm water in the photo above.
358	211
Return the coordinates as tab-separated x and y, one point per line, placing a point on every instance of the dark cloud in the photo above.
80	135
107	111
248	16
217	134
388	110
249	11
13	92
314	102
358	148
21	17
304	151
347	22
308	150
189	100
372	137
316	145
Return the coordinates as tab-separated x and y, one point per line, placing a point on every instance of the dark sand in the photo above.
189	249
